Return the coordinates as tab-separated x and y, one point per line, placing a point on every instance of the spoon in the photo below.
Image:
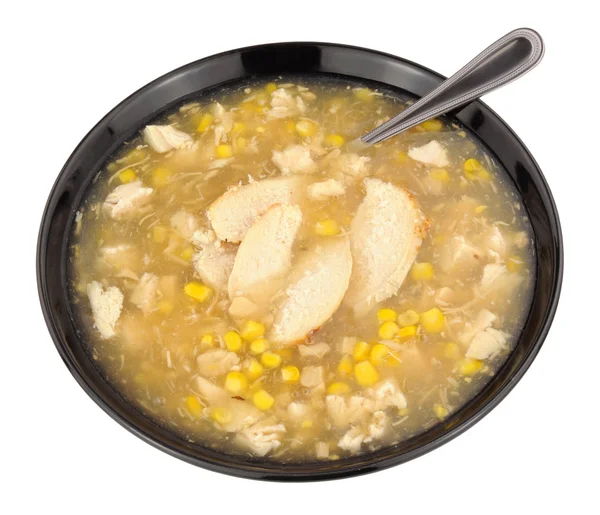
509	58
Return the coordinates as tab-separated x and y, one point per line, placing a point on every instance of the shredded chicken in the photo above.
295	159
285	105
106	307
145	293
432	154
184	223
163	138
263	437
127	199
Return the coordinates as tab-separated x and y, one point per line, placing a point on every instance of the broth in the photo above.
249	282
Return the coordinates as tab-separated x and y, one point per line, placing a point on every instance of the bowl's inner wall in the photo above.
190	81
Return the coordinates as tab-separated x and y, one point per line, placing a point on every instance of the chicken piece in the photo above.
121	256
385	235
377	426
241	307
316	350
356	436
325	189
284	105
487	344
123	202
145	293
444	297
184	224
216	362
520	239
298	410
431	154
163	138
460	254
214	260
322	450
496	279
352	440
483	320
311	376
351	164
224	123
344	412
106	307
265	254
495	241
317	284
385	395
294	159
234	212
262	438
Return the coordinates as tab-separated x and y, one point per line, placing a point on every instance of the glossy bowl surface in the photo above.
271	60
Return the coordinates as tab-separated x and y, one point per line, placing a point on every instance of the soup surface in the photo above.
248	280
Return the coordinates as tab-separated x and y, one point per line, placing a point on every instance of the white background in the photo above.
64	66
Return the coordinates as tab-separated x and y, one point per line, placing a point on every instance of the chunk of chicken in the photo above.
356	436
460	254
311	376
184	224
127	199
295	159
351	164
345	411
234	212
121	256
145	293
106	307
317	284
433	153
496	279
216	362
325	189
316	350
483	320
241	307
385	235
487	344
214	260
284	105
223	123
265	254
163	138
385	395
263	437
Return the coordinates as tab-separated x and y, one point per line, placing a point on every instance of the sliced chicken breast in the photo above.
265	253
214	260
385	235
234	212
317	284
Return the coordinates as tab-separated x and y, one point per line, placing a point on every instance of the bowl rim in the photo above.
276	471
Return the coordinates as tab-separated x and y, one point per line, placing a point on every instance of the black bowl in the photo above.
268	60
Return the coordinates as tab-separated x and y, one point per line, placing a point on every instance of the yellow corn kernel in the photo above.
432	125
165	306
364	94
233	341
345	366
514	264
260	129
290	374
270	87
338	388
285	354
306	128
410	331
379	353
127	175
334	140
161	177
469	366
480	209
421	272
193	406
290	125
235	382
253	369
262	400
252	330
451	350
402	157
365	374
187	253
388	330
471	165
306	424
197	291
439	174
159	234
133	156
386	315
403	412
205	122
207	341
433	321
440	411
259	346
407	318
224	151
327	228
270	359
361	351
221	415
474	170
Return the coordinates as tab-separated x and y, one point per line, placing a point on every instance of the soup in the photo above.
249	281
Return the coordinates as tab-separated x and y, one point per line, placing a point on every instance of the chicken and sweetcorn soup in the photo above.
251	282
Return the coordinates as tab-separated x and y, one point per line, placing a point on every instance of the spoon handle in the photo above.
502	62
